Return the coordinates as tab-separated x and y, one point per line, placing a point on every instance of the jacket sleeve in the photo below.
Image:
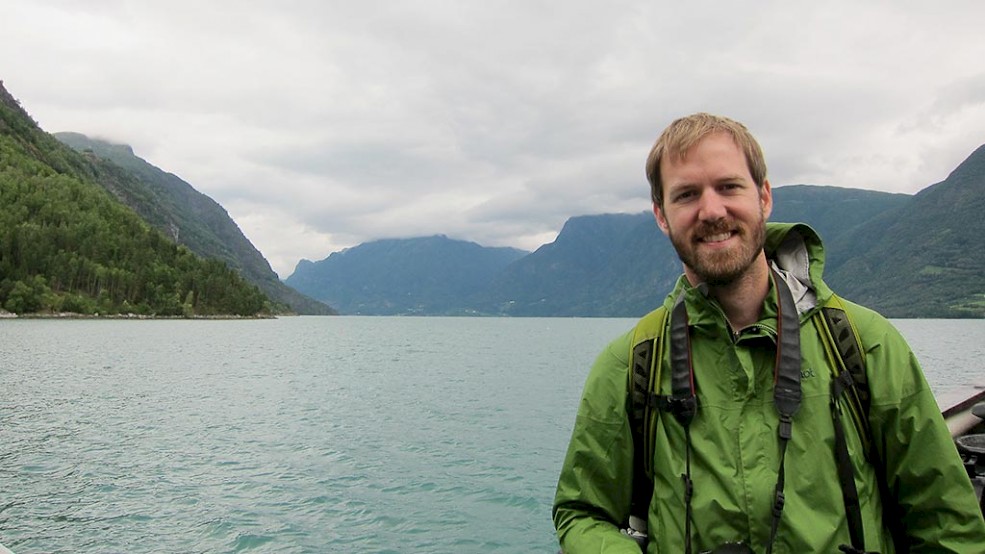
935	500
594	489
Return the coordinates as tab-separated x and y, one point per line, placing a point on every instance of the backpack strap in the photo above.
847	359
644	379
850	381
682	402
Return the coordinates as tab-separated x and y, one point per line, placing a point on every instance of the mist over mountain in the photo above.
187	216
68	243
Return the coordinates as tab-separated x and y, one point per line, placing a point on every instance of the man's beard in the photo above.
721	268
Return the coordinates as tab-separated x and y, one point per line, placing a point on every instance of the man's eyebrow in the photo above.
735	177
671	187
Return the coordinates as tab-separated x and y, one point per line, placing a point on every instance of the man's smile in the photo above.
716	238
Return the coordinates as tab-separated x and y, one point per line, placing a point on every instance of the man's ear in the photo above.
766	199
661	220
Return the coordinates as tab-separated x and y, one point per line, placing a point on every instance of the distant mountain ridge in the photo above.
427	275
893	252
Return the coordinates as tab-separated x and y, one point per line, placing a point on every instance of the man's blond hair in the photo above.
685	132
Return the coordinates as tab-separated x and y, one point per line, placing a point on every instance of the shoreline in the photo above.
71	315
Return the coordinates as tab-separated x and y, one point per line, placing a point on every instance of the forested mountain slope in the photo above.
189	217
925	258
67	245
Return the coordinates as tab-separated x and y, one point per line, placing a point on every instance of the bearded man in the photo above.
749	462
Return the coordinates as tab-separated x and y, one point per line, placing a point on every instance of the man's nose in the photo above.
712	206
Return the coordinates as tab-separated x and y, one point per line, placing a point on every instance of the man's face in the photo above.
712	210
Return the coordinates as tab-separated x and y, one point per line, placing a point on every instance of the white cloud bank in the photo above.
319	125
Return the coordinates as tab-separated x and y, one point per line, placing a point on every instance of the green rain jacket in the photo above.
735	450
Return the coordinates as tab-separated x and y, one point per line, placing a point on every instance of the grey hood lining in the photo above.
792	262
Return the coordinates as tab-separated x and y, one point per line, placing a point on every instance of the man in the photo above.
735	473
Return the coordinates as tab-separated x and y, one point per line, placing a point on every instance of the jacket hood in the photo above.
796	252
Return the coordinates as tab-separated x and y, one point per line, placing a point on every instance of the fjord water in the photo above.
307	434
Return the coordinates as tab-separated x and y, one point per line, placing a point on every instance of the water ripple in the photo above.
297	435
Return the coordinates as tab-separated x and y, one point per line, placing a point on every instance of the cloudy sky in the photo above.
322	124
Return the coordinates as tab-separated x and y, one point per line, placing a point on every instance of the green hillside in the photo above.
67	245
187	216
923	259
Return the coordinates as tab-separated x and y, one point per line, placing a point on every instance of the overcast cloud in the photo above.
322	124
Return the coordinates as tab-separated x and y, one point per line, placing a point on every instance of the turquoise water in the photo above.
308	434
288	435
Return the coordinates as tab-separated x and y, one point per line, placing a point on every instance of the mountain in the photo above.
623	265
66	244
103	230
428	275
598	265
187	216
833	212
925	258
906	256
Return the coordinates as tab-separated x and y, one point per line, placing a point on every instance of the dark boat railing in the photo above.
960	419
966	421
